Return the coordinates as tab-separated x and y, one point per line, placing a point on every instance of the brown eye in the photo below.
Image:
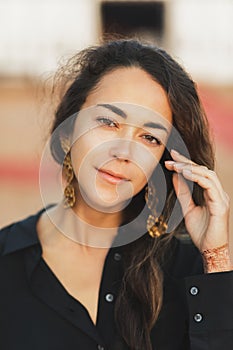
152	140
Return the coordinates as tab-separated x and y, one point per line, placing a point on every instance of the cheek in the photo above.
79	152
87	152
142	178
145	169
150	160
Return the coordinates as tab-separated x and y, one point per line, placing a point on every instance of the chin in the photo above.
105	202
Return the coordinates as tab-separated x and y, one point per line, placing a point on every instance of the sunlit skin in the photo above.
97	149
79	266
133	85
108	147
125	146
100	160
212	229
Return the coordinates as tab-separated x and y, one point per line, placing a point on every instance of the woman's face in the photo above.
119	137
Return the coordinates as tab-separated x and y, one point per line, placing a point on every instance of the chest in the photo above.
80	276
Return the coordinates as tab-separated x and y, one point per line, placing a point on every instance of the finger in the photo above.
206	183
180	158
202	171
213	191
183	193
198	169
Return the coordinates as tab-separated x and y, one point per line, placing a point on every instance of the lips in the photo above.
111	176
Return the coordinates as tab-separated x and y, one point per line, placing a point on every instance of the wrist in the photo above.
217	259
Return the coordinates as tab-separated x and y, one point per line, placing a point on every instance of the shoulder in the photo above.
19	235
3	236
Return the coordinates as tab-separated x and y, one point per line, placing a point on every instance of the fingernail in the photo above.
169	162
174	151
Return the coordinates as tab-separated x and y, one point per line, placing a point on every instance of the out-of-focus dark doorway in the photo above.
144	19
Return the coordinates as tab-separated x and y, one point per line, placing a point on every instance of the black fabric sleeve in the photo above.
210	310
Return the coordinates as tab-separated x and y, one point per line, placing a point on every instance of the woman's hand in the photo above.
207	225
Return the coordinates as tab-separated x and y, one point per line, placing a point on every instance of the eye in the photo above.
152	140
107	122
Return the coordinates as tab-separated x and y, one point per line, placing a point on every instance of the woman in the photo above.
114	266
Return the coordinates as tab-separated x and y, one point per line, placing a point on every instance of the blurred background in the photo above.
36	34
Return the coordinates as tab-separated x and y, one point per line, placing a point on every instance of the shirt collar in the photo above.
22	234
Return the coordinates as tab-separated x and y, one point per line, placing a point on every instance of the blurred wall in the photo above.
34	34
200	33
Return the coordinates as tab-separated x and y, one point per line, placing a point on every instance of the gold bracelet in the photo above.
217	259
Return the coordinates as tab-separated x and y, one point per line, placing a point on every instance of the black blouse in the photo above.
36	312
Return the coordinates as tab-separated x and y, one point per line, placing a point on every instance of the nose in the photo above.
122	147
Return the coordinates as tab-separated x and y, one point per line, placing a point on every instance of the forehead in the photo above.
131	85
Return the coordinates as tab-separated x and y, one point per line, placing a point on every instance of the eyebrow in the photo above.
156	126
114	109
122	114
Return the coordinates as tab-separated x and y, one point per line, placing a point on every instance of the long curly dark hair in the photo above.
140	297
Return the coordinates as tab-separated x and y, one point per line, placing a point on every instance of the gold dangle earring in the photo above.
156	226
69	192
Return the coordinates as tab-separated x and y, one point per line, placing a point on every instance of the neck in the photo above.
97	218
86	226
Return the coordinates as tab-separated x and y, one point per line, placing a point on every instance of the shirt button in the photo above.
109	298
117	256
198	317
194	290
100	347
